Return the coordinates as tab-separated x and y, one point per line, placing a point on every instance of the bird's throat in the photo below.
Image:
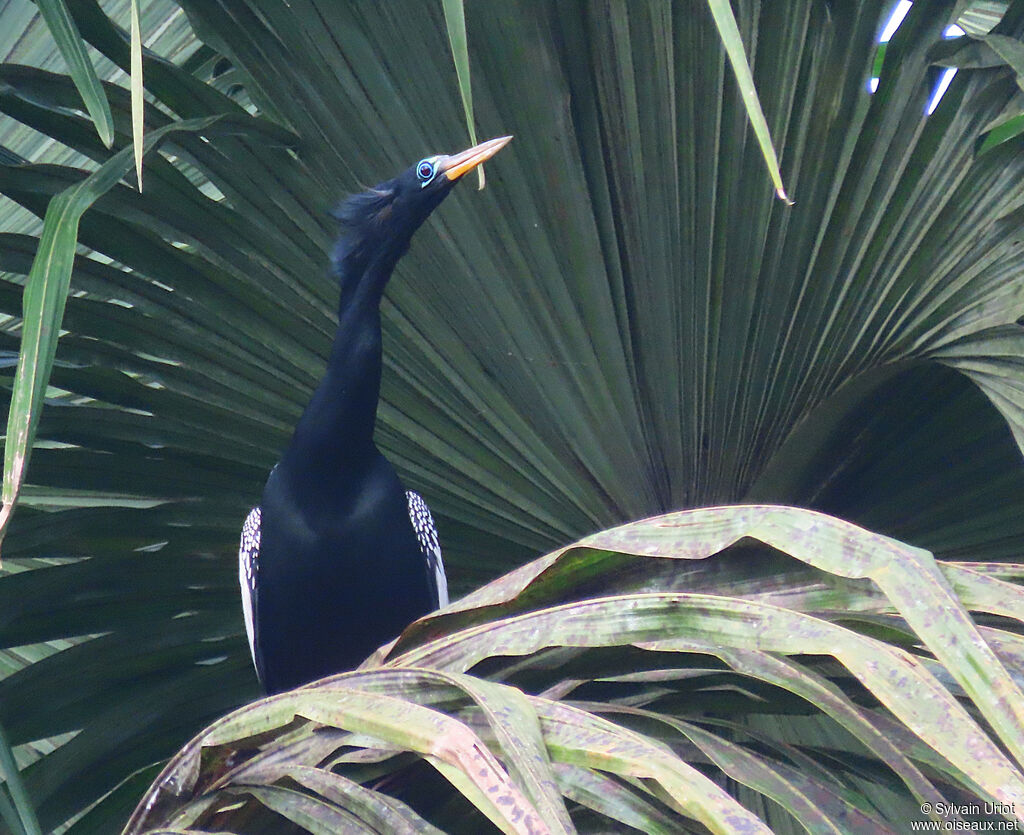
335	432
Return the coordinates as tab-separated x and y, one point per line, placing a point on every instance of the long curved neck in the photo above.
335	432
363	267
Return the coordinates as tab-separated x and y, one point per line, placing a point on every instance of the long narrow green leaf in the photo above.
137	85
68	40
729	32
483	799
517	728
455	20
13	785
383	813
592	789
314	816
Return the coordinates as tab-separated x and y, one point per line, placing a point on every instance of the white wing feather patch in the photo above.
248	554
426	533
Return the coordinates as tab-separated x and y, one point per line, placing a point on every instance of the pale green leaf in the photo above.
66	35
455	20
733	43
137	86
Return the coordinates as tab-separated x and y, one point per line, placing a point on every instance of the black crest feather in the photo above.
358	216
360	212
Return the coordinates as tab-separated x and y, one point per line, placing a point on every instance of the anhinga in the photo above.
338	558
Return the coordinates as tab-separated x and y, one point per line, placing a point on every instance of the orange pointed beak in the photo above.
459	164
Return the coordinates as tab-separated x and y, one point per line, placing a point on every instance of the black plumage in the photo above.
338	558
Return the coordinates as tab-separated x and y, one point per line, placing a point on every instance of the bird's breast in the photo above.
341	572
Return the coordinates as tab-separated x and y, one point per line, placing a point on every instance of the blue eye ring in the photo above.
426	170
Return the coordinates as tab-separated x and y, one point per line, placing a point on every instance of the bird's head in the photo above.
378	224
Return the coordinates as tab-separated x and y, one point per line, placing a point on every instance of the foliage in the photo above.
839	705
624	323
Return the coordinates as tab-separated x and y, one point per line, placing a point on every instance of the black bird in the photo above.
339	557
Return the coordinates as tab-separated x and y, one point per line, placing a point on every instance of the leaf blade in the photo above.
65	33
733	43
455	21
138	88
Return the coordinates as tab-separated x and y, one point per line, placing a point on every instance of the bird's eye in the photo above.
425	170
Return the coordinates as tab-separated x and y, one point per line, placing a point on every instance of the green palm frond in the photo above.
644	706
